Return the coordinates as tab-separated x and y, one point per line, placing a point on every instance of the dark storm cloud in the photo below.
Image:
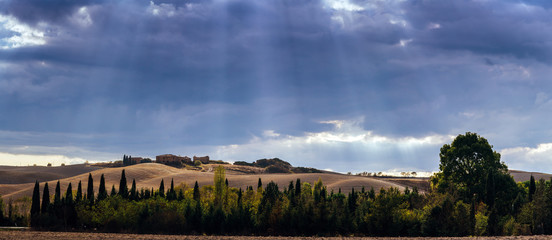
160	75
510	28
34	11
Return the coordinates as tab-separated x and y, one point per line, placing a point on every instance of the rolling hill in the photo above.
149	175
16	182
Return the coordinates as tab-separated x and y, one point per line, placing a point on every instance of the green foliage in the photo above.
123	188
78	196
57	195
102	191
162	188
452	208
219	185
532	188
90	189
45	199
35	205
481	224
466	163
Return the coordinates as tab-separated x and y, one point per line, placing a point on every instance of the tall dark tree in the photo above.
78	197
102	191
45	199
532	188
259	183
57	195
113	191
133	192
69	194
123	188
196	192
90	189
69	211
171	195
298	188
162	188
35	201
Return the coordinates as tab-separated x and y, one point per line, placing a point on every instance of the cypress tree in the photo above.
532	188
291	189
113	191
78	197
372	193
259	184
172	193
35	204
45	199
102	192
57	195
240	200
90	189
180	195
196	192
162	189
123	189
298	188
133	193
69	194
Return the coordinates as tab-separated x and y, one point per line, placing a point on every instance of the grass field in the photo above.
34	235
149	175
16	182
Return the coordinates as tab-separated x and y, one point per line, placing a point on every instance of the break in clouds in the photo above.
340	84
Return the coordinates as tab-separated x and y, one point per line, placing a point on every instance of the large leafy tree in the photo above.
468	162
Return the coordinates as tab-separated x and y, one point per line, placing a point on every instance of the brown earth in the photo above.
521	176
33	235
149	175
30	174
421	183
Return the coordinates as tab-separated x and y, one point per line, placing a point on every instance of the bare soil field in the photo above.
33	235
16	175
149	175
521	176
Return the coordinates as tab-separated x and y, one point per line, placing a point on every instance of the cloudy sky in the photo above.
348	85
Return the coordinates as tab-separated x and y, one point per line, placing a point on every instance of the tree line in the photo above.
473	194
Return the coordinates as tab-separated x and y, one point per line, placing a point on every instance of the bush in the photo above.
481	224
242	163
276	169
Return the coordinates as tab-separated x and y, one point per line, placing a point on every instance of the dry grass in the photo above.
521	176
149	175
33	235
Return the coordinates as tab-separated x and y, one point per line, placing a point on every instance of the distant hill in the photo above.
30	174
149	175
16	182
522	176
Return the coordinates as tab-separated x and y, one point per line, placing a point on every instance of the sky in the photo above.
346	85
